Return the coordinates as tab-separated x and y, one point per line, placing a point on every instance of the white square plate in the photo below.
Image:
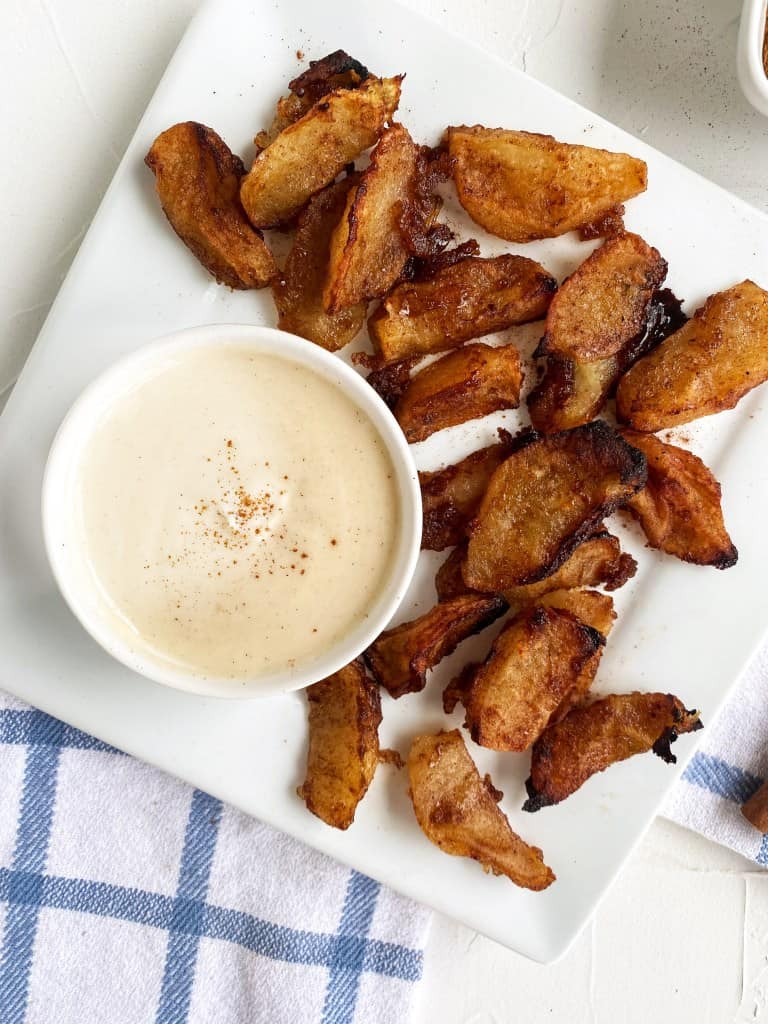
681	628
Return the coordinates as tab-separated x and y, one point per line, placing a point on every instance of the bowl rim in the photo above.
72	437
749	55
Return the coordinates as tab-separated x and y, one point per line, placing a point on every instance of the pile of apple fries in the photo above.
524	517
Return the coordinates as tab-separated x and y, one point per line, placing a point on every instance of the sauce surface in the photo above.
239	513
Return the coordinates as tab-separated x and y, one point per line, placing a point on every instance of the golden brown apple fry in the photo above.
368	247
401	656
755	810
597	560
308	154
463	385
298	291
335	71
451	496
679	507
535	663
593	609
589	606
571	393
715	359
466	300
198	181
603	305
596	735
523	186
458	811
546	498
344	719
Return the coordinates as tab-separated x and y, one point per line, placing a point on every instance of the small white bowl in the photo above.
752	76
58	492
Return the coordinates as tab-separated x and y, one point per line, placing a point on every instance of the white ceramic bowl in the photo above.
752	76
66	557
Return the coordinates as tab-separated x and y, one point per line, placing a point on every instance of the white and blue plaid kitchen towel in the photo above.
126	897
729	766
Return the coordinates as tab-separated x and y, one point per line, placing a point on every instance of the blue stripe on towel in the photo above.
721	778
23	892
348	958
276	942
189	909
26	888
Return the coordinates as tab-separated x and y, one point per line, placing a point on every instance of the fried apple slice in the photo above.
603	305
198	181
593	609
715	359
548	496
572	393
535	663
589	606
308	154
451	496
523	186
335	71
597	560
344	719
368	248
401	656
596	735
458	811
298	291
679	507
471	298
463	385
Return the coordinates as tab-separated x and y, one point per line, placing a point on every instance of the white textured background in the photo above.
683	935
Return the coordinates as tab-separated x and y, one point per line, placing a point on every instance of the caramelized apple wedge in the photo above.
535	664
451	496
465	300
679	507
458	811
298	291
308	154
594	736
198	182
401	657
463	385
544	500
522	186
368	247
344	719
707	366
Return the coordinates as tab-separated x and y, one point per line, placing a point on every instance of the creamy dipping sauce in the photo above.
239	513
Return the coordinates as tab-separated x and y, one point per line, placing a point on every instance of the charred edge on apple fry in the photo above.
610	224
661	747
313	81
423	268
535	800
625	570
664	316
390	381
